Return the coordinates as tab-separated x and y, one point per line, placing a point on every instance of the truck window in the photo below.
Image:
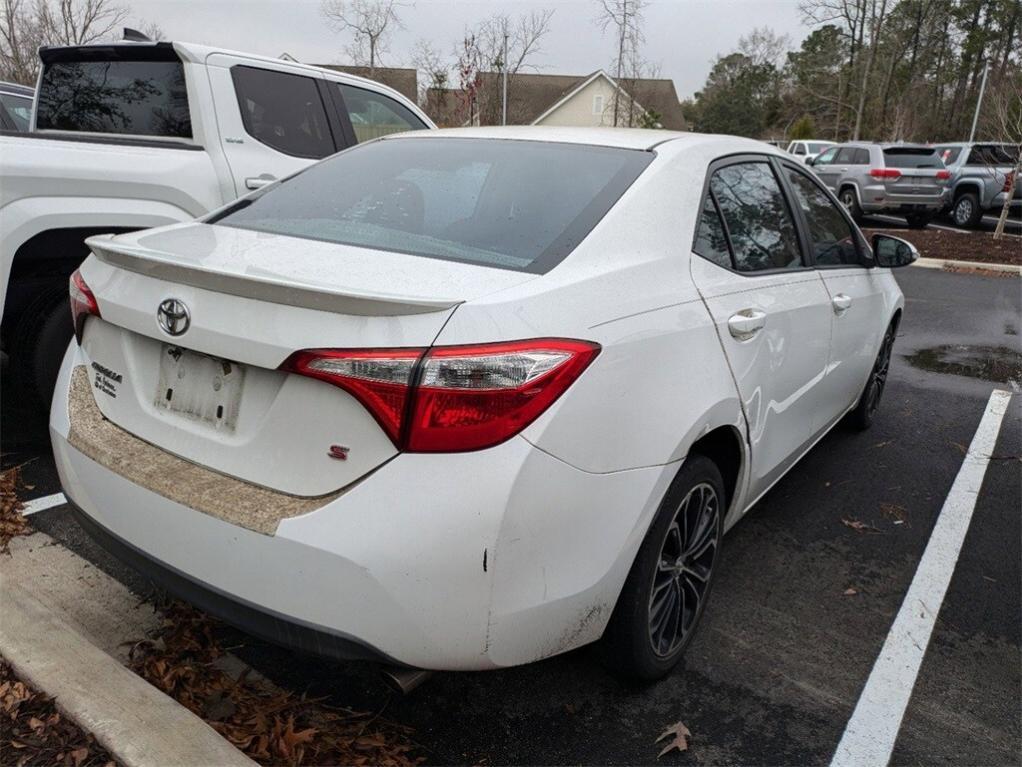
18	108
116	94
373	114
283	111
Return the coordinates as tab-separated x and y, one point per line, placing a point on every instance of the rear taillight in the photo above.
885	173
83	303
452	398
943	175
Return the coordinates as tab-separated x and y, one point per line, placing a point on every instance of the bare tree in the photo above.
80	22
434	75
764	46
370	21
625	17
20	37
1006	124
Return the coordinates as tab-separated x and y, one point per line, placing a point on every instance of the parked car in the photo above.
135	135
980	175
459	400
905	179
808	150
15	106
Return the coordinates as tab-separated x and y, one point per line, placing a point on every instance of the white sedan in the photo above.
467	399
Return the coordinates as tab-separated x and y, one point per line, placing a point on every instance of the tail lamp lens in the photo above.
943	175
83	303
885	173
452	398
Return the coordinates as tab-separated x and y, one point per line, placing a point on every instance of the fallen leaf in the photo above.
678	734
850	592
859	527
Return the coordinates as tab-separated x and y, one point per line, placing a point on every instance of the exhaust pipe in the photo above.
402	679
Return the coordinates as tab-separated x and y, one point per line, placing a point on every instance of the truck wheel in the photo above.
966	211
851	203
40	341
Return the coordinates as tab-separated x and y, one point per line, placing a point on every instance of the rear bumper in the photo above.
447	562
875	198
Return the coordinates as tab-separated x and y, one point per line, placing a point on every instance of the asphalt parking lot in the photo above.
785	647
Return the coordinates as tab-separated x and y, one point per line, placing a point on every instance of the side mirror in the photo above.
893	252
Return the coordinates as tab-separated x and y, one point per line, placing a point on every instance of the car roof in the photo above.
624	138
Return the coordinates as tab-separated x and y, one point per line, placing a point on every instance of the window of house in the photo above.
598	104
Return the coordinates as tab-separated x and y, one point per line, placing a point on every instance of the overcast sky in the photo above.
682	36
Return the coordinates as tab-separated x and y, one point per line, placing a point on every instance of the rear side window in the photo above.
139	98
18	108
758	220
373	114
520	205
845	156
831	235
912	157
711	240
860	157
283	111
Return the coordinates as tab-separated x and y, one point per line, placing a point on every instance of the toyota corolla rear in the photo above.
275	414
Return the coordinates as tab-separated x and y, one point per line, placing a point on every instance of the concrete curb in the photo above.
950	264
133	720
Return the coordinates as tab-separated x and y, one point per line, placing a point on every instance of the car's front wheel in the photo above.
849	199
669	583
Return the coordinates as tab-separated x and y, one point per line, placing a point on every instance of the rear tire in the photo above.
966	211
850	200
869	401
663	598
40	340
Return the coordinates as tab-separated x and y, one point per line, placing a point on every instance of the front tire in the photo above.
668	586
966	211
869	401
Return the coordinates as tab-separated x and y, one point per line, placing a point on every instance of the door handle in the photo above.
746	323
258	182
841	303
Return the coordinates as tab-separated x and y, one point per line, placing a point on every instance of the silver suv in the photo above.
907	179
979	179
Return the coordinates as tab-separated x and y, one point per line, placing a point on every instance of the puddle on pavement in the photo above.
991	363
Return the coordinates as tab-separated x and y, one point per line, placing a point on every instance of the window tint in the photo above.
283	111
911	157
993	154
521	205
18	108
845	155
757	217
140	98
374	115
860	157
833	240
711	242
827	157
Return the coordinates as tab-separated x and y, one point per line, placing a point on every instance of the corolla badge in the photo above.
173	317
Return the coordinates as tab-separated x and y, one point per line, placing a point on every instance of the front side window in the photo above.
373	114
711	240
283	111
138	98
520	205
832	237
18	108
758	221
827	157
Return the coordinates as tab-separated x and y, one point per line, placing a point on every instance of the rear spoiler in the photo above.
164	266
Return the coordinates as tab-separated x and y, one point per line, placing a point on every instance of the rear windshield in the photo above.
520	205
993	154
912	157
139	98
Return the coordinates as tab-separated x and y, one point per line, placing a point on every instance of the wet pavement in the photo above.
784	649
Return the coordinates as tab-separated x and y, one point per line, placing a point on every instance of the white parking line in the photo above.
44	503
870	734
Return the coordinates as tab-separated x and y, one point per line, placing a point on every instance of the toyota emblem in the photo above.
173	317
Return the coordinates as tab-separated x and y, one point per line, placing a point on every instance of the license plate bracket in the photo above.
200	388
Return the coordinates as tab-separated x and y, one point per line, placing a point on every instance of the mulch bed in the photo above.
34	732
12	523
980	247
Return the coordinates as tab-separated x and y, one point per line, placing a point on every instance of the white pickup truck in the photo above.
140	134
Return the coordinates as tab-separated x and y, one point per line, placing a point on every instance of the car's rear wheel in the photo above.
966	211
667	588
851	203
869	402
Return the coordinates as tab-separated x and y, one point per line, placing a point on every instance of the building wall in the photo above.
581	111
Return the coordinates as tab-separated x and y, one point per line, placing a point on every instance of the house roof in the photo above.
405	81
531	96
